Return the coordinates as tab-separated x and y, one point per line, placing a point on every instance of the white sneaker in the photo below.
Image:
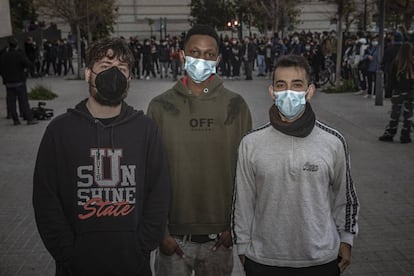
368	96
360	92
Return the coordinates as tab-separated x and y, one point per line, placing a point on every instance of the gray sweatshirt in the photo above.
294	199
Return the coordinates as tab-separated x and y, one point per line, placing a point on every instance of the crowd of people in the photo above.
55	57
252	56
361	60
238	57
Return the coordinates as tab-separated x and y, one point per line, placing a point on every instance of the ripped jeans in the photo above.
198	257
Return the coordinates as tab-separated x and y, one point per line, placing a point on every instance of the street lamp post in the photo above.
379	83
233	26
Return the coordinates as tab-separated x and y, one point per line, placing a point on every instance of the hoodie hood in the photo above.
127	113
362	40
211	90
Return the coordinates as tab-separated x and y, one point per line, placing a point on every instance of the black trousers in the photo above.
19	93
371	76
248	67
255	269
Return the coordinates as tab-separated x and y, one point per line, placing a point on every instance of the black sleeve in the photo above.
52	224
393	76
158	195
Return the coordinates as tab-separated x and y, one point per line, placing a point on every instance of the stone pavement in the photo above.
383	174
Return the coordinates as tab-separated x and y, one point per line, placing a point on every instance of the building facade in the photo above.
145	18
5	22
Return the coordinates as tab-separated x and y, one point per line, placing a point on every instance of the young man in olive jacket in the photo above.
201	123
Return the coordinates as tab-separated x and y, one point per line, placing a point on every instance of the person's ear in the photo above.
87	74
218	60
311	91
271	92
182	56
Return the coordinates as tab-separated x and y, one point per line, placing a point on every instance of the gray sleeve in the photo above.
345	200
243	200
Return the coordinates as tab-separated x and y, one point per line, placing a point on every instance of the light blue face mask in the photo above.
290	103
199	69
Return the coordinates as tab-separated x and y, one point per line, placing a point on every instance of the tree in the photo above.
401	9
215	13
349	14
92	17
344	11
271	15
150	24
22	11
100	18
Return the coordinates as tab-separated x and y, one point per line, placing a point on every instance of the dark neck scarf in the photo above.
302	127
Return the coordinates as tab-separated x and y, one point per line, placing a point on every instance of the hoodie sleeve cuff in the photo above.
242	248
347	238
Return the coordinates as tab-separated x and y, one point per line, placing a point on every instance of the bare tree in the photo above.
344	13
275	15
402	7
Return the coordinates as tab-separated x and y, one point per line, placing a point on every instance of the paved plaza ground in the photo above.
383	174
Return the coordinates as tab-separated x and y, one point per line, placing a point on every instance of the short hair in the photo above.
200	29
99	49
293	61
12	42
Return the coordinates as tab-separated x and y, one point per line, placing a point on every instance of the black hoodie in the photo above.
101	193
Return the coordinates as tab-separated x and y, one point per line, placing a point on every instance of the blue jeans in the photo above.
261	64
198	257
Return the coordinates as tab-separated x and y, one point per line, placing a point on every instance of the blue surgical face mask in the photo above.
199	69
290	103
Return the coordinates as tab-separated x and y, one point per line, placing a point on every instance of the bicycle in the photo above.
328	73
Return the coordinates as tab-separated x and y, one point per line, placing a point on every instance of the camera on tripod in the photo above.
42	113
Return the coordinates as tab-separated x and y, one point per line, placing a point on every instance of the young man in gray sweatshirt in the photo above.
295	207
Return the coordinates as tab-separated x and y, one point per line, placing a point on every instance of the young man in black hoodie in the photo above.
101	183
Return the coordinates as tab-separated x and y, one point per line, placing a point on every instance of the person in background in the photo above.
261	52
296	46
201	123
154	54
360	73
226	59
402	84
32	54
175	49
249	52
269	54
371	54
101	184
13	67
236	55
62	57
69	49
164	58
295	207
389	55
147	63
